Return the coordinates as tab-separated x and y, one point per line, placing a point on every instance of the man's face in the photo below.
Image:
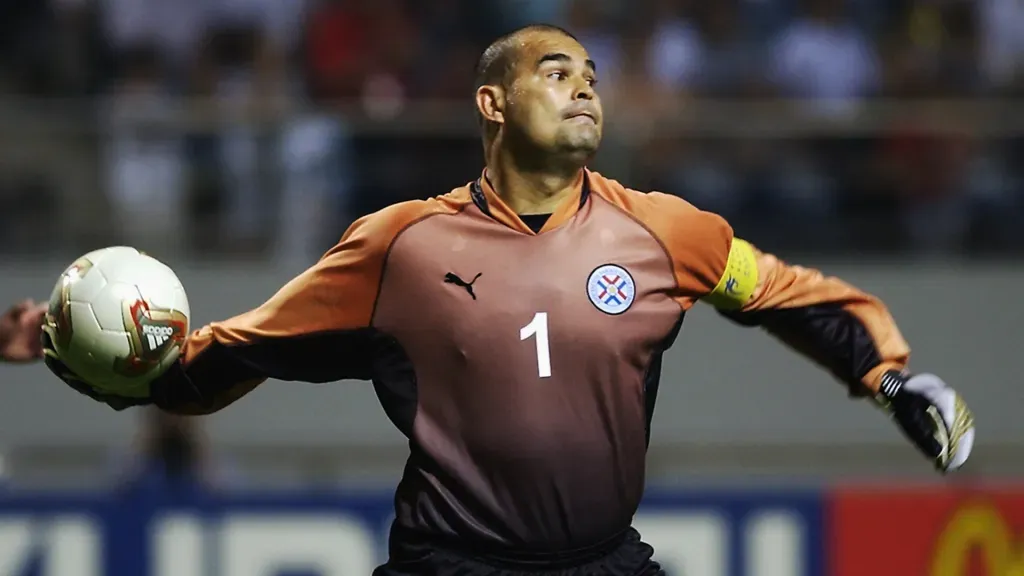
551	98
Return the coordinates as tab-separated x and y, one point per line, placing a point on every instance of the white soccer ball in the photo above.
118	318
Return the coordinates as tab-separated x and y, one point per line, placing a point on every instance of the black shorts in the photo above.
625	555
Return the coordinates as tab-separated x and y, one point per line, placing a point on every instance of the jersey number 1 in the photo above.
539	327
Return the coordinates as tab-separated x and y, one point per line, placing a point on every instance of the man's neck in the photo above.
532	191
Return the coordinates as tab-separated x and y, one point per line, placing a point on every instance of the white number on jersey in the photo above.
539	327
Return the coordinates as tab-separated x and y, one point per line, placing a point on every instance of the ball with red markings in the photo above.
117	318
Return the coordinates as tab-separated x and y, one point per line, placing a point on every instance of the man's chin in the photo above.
581	146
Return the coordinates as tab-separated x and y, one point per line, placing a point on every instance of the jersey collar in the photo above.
488	201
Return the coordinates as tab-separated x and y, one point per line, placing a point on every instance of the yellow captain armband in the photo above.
739	280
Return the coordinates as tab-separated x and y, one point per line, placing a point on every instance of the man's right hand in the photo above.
932	415
76	383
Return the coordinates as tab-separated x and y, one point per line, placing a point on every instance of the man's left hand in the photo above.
20	331
932	415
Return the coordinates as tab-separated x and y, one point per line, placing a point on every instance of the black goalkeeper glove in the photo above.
931	414
76	383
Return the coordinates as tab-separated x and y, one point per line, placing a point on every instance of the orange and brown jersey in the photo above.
524	365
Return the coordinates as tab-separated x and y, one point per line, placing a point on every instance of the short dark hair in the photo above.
499	58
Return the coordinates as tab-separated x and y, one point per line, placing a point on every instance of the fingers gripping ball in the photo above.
116	320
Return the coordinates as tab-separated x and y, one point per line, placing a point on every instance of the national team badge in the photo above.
611	289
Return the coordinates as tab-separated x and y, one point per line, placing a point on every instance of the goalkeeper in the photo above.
514	328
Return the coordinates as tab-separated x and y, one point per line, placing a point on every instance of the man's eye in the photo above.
558	75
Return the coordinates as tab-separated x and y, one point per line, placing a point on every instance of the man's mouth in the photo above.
582	116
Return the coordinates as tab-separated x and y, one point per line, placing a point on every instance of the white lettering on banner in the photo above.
697	543
178	546
15	546
774	542
330	546
694	543
68	546
71	546
264	545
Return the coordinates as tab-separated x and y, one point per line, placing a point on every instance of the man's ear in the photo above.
490	102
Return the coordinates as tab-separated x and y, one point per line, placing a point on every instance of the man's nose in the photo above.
585	91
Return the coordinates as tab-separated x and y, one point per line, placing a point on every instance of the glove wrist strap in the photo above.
889	388
891	383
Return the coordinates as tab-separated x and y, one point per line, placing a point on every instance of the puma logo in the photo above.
451	278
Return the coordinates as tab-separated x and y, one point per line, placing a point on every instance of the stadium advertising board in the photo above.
927	532
696	534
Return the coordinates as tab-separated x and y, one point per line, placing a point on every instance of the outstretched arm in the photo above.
847	331
838	326
315	329
841	328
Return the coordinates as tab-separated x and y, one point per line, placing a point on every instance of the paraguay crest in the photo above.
611	289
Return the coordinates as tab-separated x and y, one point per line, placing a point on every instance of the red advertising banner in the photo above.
926	531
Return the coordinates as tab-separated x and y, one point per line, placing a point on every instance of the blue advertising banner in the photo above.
695	533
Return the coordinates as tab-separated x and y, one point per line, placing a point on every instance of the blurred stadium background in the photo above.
881	140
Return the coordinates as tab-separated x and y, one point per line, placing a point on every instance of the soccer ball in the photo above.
117	319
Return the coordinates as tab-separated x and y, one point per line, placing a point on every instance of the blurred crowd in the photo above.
263	127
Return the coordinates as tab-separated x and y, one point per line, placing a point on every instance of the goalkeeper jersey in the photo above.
524	366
